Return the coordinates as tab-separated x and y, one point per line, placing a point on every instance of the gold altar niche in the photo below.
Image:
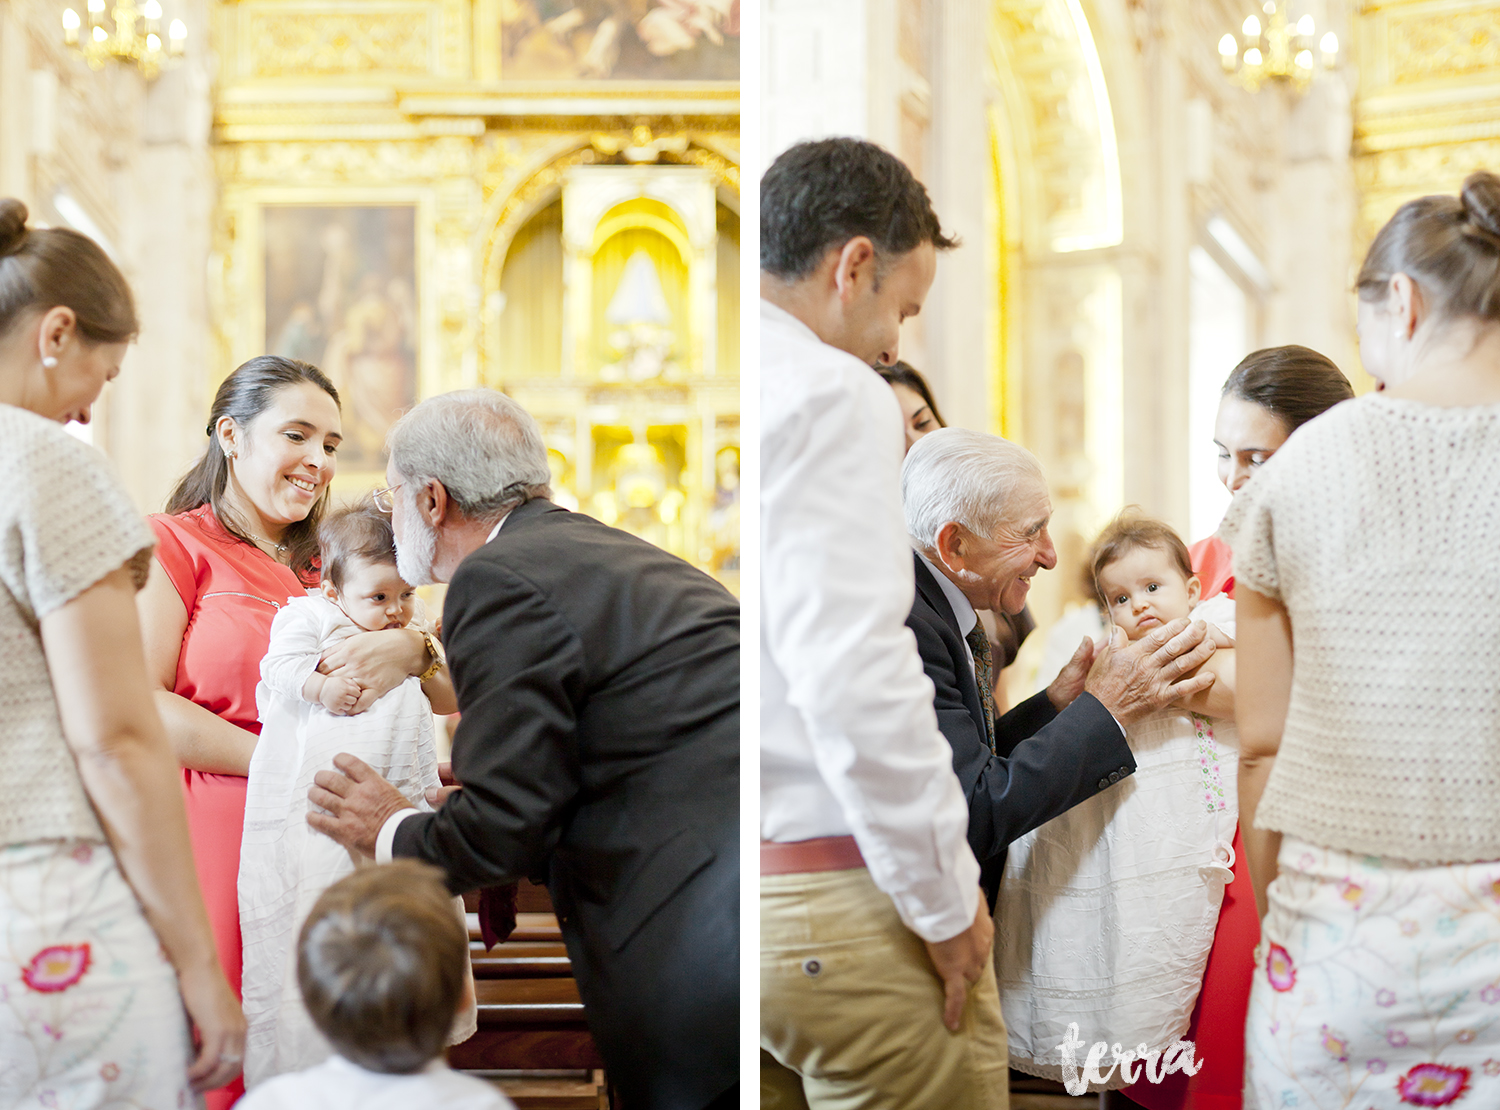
630	361
391	205
1427	112
1059	270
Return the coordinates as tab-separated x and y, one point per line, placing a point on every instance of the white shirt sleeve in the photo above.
837	588
387	835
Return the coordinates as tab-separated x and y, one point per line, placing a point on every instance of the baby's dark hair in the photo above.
1129	531
380	962
354	532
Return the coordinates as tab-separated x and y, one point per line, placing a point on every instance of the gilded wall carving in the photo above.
1427	45
302	44
345	162
1427	114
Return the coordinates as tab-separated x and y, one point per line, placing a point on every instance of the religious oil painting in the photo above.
620	40
341	293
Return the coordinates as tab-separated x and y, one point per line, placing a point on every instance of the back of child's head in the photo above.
1130	531
354	532
381	965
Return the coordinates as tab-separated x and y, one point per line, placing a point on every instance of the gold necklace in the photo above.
259	541
263	543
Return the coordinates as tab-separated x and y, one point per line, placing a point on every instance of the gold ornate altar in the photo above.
406	202
1428	110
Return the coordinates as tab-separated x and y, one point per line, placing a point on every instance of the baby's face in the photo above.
374	596
1145	589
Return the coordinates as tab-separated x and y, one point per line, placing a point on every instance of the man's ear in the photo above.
433	503
855	264
951	548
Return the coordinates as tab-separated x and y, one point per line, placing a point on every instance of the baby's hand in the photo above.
340	695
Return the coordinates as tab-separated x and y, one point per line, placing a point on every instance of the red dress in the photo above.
1212	562
1217	1027
232	591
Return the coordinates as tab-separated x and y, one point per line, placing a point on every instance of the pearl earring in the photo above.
49	362
228	454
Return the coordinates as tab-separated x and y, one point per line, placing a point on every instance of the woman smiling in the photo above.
238	539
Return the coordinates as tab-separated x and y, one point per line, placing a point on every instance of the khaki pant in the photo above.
851	1010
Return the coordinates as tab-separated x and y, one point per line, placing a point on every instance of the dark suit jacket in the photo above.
1044	763
598	678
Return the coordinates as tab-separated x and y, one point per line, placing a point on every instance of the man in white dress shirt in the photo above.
872	925
877	988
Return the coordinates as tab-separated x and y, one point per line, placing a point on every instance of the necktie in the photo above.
984	674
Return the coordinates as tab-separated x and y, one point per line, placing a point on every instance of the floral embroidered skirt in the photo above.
1377	984
90	1015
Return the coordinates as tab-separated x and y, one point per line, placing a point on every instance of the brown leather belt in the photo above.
823	853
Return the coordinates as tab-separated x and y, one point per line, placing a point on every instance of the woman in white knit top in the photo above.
103	934
1366	556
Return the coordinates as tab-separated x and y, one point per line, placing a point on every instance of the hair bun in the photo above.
12	225
1481	200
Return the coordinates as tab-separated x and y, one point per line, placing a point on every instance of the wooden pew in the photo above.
530	1016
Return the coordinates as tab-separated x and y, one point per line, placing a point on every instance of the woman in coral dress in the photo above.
1268	396
238	539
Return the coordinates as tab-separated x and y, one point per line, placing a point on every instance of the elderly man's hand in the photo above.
1134	679
1071	680
357	800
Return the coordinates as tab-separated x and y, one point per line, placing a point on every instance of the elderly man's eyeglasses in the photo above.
385	499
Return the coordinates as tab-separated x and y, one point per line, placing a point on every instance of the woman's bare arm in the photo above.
93	649
1264	632
200	740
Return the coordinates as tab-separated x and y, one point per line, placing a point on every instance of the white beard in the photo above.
414	558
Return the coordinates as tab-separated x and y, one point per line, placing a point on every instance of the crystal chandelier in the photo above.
136	37
1281	51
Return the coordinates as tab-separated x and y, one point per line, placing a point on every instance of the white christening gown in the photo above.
1106	914
284	863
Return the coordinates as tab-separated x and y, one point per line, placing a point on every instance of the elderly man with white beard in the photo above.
598	681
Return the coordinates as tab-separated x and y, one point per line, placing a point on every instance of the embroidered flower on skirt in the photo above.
57	968
1432	1084
1279	969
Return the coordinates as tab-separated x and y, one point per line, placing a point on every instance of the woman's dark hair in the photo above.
243	396
42	268
1450	246
819	195
904	373
1292	383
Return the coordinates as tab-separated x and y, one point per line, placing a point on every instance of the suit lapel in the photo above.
931	592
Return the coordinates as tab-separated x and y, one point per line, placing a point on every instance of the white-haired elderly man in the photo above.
598	678
977	511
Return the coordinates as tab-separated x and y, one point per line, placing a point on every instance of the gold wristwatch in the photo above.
437	656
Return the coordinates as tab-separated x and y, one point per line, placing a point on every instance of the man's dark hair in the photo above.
819	195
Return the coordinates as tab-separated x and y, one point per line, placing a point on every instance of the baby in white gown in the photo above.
1107	913
306	719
